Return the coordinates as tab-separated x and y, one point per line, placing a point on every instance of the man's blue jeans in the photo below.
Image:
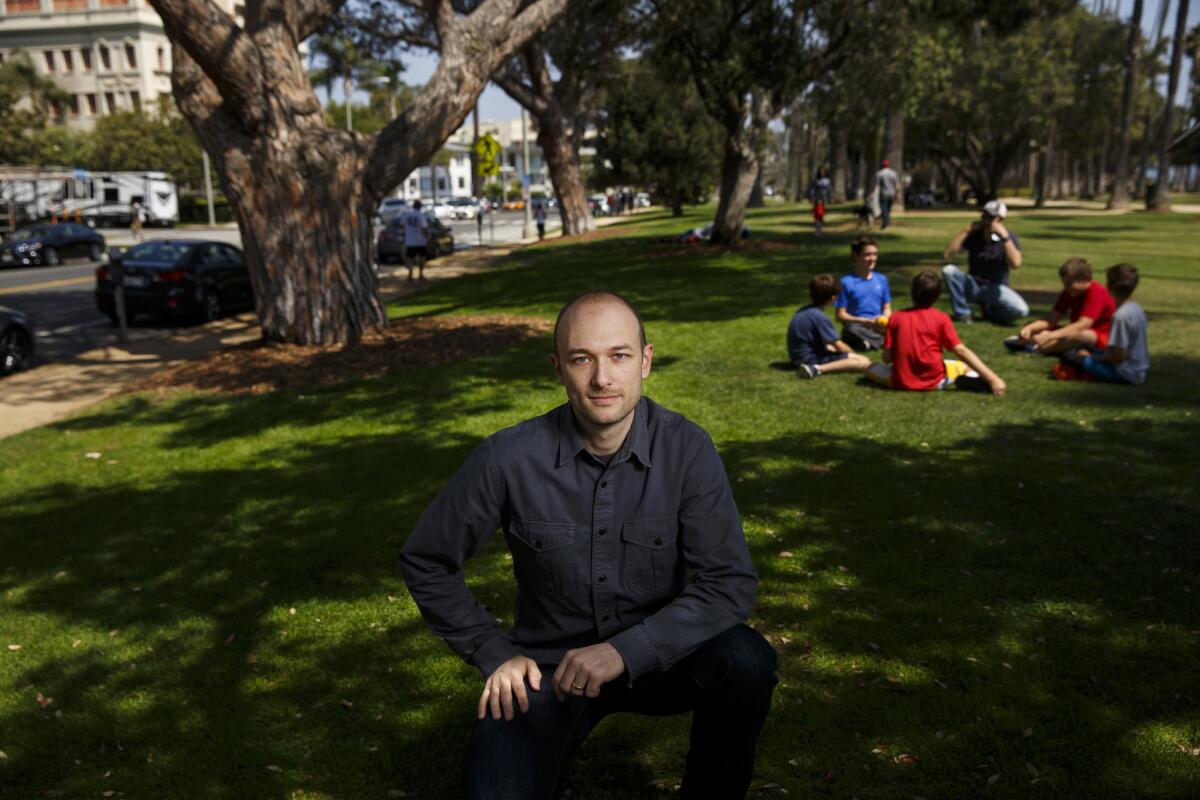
1000	303
885	208
727	684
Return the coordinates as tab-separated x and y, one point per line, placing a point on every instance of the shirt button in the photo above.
603	531
658	541
605	618
603	484
602	578
537	545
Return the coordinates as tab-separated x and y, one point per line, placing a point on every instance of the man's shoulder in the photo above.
529	435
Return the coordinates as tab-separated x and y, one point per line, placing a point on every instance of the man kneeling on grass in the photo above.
913	345
812	341
634	581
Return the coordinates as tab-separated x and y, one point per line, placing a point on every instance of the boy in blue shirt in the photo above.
812	341
865	300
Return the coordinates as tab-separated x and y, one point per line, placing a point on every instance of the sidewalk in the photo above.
52	392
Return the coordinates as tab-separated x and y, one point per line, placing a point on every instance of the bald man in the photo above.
634	581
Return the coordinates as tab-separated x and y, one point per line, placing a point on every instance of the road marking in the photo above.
32	287
71	328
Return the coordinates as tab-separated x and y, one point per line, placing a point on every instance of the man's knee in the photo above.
740	658
951	272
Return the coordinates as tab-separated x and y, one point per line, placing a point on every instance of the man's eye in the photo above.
619	356
579	360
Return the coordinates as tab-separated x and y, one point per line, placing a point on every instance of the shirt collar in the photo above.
637	441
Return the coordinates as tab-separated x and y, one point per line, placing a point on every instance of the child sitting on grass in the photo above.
1089	306
812	342
913	345
864	298
1127	357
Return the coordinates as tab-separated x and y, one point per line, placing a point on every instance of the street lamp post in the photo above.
527	229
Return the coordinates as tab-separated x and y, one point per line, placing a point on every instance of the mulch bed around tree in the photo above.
258	368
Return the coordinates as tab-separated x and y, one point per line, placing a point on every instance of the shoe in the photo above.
963	319
806	372
1065	372
1014	344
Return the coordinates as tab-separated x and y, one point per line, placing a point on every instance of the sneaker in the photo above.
1064	372
1014	344
963	319
806	371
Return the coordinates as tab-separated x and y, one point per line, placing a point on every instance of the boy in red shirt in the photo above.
1087	304
913	345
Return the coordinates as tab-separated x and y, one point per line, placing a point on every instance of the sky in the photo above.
495	104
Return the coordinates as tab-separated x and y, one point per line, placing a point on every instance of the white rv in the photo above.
96	198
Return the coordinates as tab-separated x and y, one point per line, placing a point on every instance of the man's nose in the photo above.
601	376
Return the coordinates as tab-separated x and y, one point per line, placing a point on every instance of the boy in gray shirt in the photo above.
1127	357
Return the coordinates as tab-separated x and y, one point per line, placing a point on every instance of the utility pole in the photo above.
208	192
527	229
476	178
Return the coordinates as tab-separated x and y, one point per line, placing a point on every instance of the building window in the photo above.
162	60
85	60
412	185
49	56
1	58
110	102
24	6
91	101
68	61
130	56
69	5
105	58
441	184
73	104
136	99
114	3
462	183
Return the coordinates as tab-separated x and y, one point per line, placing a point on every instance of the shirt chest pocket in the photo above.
651	557
543	555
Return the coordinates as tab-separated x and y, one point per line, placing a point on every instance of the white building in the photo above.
109	55
453	180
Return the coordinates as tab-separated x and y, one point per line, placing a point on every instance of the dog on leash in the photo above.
863	214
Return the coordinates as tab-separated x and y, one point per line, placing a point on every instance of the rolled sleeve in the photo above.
724	583
465	515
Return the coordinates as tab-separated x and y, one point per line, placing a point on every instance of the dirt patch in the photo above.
257	368
704	250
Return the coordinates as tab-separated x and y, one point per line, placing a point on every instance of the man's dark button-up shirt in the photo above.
646	552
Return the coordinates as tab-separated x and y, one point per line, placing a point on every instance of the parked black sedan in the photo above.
16	342
50	244
176	279
389	247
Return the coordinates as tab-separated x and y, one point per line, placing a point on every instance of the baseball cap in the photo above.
886	163
994	208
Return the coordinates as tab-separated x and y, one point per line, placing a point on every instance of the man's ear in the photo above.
647	359
557	368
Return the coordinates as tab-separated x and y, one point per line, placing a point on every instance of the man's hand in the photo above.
584	671
506	682
999	229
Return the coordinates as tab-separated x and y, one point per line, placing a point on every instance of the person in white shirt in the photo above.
416	239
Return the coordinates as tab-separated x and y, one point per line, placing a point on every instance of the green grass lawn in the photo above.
971	596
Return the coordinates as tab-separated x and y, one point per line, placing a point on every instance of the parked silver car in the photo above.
391	208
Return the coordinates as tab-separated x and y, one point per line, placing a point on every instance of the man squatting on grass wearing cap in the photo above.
607	503
992	250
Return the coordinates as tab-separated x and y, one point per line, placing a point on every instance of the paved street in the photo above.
59	303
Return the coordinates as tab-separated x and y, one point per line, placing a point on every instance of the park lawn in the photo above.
971	596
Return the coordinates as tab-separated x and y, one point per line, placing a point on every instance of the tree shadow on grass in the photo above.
938	626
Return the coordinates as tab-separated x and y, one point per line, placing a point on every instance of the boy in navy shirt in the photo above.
865	300
812	341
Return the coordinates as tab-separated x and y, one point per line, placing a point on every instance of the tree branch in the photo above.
225	52
302	18
511	80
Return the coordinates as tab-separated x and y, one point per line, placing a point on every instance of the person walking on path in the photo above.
136	220
820	191
539	216
992	251
634	580
887	185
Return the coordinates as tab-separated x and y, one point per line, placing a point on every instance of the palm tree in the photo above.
340	59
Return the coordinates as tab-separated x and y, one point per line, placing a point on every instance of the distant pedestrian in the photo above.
136	218
820	191
416	239
887	184
539	216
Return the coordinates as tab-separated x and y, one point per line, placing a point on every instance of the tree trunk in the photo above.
563	162
677	203
1088	177
1160	198
837	161
739	166
893	151
1045	156
1119	199
756	192
303	192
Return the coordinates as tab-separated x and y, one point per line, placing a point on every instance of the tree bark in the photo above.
739	166
1160	197
756	191
303	193
893	151
1119	199
837	159
1045	155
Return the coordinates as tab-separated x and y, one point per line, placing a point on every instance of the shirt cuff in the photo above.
637	651
493	653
